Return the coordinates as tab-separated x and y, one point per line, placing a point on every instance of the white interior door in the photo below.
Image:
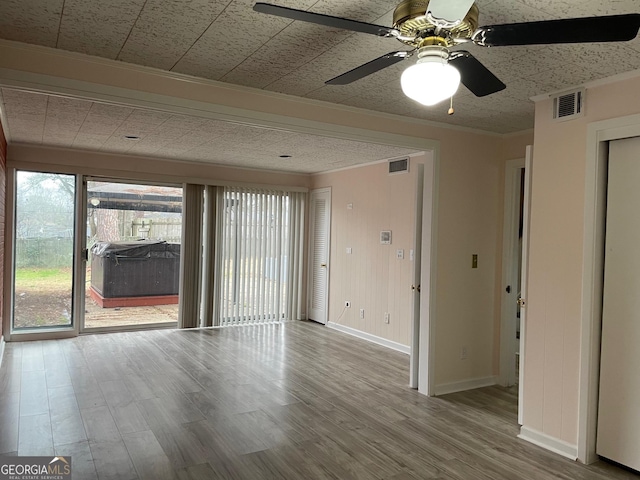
319	234
526	215
414	361
511	270
427	338
618	434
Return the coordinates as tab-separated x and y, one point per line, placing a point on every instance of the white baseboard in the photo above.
371	338
1	349
549	443
445	388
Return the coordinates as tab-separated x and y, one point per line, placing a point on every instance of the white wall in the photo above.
554	303
371	277
470	184
469	221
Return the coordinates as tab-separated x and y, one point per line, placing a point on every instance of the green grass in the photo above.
41	278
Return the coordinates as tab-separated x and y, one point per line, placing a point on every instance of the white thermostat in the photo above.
385	237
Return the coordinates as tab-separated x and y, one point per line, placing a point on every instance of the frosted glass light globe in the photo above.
430	81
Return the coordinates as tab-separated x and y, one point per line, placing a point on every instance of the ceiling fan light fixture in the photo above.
431	80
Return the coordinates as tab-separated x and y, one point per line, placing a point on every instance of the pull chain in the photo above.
451	110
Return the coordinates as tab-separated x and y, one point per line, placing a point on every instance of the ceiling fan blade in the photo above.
368	68
449	10
613	28
325	20
474	75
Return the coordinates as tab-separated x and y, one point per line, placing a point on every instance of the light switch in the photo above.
411	255
349	250
349	206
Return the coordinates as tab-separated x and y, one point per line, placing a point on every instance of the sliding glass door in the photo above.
43	242
132	272
93	254
260	241
103	256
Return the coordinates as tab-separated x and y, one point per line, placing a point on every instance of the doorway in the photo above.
133	235
91	254
43	243
514	272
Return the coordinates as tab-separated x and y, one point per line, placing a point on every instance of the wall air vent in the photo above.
569	105
398	166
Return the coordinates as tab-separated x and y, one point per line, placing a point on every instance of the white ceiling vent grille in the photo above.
398	166
568	106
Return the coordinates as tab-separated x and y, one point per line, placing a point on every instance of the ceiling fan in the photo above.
433	27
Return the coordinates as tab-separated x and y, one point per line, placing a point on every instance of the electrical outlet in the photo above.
386	318
362	313
463	353
347	304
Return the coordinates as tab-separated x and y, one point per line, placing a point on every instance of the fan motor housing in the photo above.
411	20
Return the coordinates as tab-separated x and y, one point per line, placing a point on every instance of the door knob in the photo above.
521	302
413	287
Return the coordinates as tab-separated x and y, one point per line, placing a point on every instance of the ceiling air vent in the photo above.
568	105
398	166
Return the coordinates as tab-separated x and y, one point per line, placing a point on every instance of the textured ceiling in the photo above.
226	40
40	119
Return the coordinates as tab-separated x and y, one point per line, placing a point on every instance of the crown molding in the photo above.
620	77
100	164
369	164
22	51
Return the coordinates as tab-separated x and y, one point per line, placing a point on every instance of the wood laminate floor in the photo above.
289	401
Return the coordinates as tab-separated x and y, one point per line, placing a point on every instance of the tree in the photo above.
44	205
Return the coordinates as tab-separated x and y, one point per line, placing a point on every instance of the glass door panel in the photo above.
43	242
133	236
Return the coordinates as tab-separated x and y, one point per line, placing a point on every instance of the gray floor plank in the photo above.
81	459
182	445
62	400
116	393
9	422
254	402
112	461
67	427
33	393
201	471
129	419
34	435
148	457
99	425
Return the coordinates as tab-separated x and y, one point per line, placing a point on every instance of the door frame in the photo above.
310	259
428	275
9	254
524	276
414	354
510	255
82	247
598	135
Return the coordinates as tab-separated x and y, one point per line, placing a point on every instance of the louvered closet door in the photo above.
320	215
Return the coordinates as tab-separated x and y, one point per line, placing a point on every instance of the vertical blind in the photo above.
190	265
260	245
